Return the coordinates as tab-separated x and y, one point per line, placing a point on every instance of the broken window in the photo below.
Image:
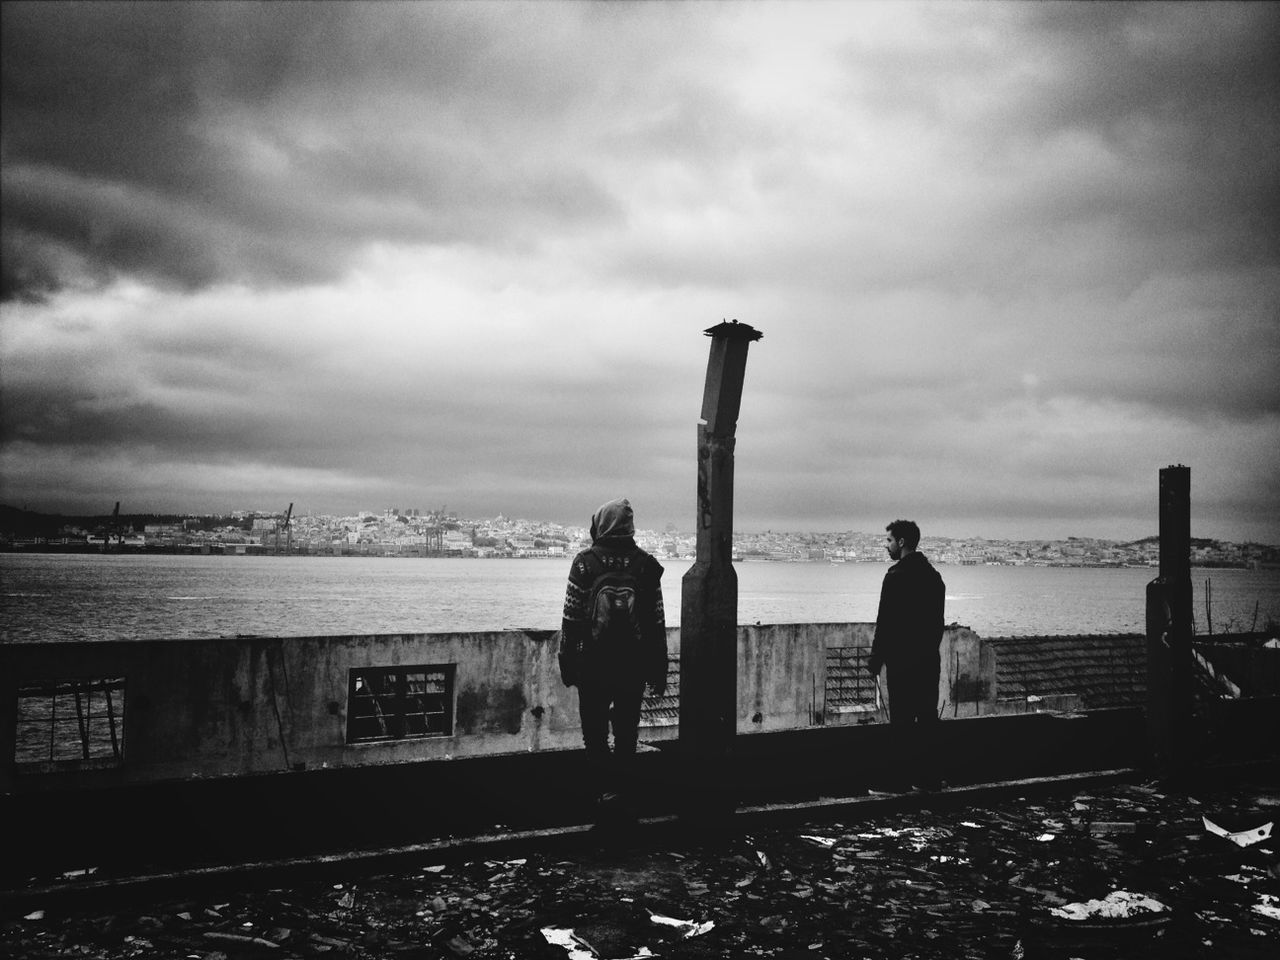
398	703
69	725
849	687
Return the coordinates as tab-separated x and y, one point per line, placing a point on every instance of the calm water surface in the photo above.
70	597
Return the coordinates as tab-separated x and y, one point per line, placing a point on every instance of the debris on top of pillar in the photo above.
726	367
732	328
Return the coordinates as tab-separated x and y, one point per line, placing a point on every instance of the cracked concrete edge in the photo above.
490	845
176	883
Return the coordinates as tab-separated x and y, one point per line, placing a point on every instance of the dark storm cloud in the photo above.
1010	259
191	395
1170	111
198	143
1186	97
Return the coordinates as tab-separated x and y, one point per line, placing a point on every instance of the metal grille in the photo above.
70	724
664	711
397	703
848	683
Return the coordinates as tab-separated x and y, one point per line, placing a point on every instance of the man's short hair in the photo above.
906	531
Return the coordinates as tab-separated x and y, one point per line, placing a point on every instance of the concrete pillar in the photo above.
709	591
1169	627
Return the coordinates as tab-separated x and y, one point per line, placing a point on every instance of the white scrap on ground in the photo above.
690	928
1118	905
1242	838
1268	906
917	838
565	937
820	841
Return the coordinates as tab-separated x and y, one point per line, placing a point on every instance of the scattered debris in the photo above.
1268	905
687	928
1242	838
565	937
460	946
1104	827
1118	905
820	841
239	939
919	882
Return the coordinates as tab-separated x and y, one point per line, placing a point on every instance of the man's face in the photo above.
894	546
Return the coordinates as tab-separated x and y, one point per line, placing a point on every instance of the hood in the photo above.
614	520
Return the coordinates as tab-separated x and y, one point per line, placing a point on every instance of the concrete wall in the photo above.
230	707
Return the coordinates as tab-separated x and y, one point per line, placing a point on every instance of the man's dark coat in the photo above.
909	622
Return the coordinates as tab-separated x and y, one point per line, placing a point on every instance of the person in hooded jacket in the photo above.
909	627
611	682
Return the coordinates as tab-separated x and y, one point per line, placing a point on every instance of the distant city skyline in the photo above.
401	535
465	519
1009	259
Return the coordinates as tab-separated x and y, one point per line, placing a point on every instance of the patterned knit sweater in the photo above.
616	553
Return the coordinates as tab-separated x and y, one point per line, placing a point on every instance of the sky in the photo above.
1009	260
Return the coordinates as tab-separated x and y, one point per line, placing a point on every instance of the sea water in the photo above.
53	597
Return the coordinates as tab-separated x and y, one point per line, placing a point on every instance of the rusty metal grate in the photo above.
664	711
848	685
399	703
70	724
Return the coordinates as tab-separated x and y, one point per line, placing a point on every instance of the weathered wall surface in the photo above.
782	672
227	707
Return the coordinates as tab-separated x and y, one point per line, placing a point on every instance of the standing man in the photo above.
613	640
909	628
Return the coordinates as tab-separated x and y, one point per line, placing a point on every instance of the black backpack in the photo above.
613	607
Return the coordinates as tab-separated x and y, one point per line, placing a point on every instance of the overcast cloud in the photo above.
1009	259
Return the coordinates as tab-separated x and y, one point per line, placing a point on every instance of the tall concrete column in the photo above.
1169	627
709	591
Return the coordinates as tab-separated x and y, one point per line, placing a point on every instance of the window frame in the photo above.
398	723
98	738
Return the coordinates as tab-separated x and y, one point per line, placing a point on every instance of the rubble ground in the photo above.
1124	870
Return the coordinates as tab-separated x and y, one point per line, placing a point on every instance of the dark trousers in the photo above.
913	719
605	702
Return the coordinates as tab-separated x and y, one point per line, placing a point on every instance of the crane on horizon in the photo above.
288	531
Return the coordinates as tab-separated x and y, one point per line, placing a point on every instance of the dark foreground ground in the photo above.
937	876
